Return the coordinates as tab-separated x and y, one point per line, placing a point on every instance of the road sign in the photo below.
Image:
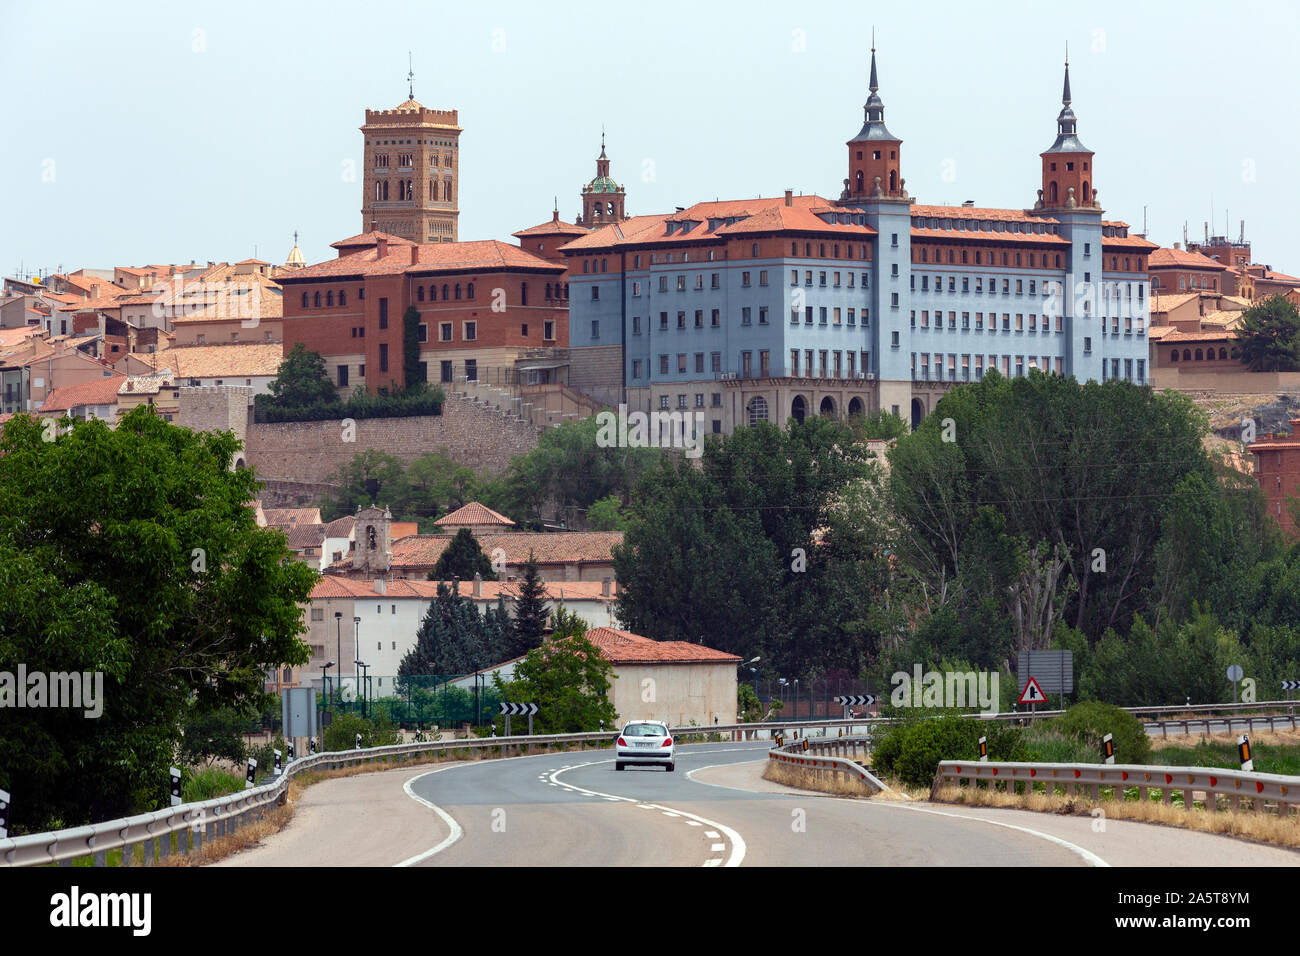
251	776
1234	672
1032	694
1108	748
298	712
518	710
1291	685
856	700
1053	670
176	786
1243	752
984	749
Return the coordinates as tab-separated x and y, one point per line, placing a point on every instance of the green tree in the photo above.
569	680
607	514
569	470
566	623
301	380
370	477
415	382
212	734
1268	338
530	609
462	559
132	552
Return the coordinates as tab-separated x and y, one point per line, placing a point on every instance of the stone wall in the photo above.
299	457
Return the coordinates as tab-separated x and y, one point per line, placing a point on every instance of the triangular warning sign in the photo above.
1032	694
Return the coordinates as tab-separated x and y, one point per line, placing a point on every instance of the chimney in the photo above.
478	584
604	587
415	255
1177	246
381	586
555	215
383	248
789	197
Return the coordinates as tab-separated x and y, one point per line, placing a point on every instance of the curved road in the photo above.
714	810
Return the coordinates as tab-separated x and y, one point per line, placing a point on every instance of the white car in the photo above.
644	742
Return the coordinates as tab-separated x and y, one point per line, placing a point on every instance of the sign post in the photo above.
1243	751
984	750
176	786
252	773
4	814
1234	675
1108	748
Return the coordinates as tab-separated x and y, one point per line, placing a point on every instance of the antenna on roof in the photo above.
410	75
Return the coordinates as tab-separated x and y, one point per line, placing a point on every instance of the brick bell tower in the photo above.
602	198
1067	166
875	154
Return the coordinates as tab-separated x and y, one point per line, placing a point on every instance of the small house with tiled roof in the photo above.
477	518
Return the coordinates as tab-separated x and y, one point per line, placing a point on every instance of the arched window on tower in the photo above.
343	297
1086	194
445	290
1187	355
893	180
458	290
433	293
304	300
329	298
1173	356
857	181
469	292
1051	193
446	191
316	300
419	293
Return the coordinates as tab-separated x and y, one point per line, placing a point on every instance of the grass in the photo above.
1260	827
1273	753
806	779
209	783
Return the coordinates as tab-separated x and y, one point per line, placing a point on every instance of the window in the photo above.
548	330
821	316
715	362
715	400
1087	346
715	318
663	365
383	313
699	361
713	281
595	293
663	401
681	320
762	314
745	316
893	339
794	363
663	321
681	363
383	357
852	316
636	368
681	283
744	280
343	376
762	277
445	373
471	331
699	318
444	332
595	328
424	332
636	325
681	401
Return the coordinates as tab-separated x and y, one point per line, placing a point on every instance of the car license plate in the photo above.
639	744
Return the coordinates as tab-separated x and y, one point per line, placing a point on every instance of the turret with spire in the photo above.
602	198
1067	164
875	153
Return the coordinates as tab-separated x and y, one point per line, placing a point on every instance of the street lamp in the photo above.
796	698
338	633
324	678
365	668
356	637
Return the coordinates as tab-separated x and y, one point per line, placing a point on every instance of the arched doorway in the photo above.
798	409
827	407
918	413
757	410
855	406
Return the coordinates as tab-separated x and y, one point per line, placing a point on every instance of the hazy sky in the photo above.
168	132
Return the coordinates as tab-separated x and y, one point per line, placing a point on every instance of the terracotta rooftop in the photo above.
102	392
336	586
421	551
624	647
431	257
304	536
552	227
209	361
1166	258
288	517
475	514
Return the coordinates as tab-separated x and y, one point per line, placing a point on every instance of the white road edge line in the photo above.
737	842
456	832
1087	856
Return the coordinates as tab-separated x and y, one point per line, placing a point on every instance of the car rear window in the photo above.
643	730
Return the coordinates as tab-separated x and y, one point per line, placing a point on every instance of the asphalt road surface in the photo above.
573	809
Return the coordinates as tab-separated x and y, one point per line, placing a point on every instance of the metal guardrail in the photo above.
1236	785
822	756
196	822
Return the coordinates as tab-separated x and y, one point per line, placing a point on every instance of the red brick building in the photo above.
1277	469
483	305
1178	270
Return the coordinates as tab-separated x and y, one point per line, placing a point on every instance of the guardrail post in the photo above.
128	854
100	858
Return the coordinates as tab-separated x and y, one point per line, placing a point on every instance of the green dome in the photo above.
602	184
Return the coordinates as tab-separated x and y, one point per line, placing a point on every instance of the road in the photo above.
716	810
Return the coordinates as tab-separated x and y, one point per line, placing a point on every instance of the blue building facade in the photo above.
770	308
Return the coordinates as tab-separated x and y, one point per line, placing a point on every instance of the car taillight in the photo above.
668	742
622	742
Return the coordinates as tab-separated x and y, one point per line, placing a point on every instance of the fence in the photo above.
1212	783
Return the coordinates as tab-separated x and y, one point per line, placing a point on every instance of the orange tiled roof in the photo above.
552	227
289	517
338	586
1128	242
1164	334
421	551
624	647
102	392
370	238
434	256
980	212
475	514
1044	238
208	361
340	527
1166	258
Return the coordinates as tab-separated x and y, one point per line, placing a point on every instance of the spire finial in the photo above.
874	85
295	237
1065	93
602	141
410	75
556	203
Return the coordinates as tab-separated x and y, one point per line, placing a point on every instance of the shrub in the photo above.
342	732
209	783
1090	721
